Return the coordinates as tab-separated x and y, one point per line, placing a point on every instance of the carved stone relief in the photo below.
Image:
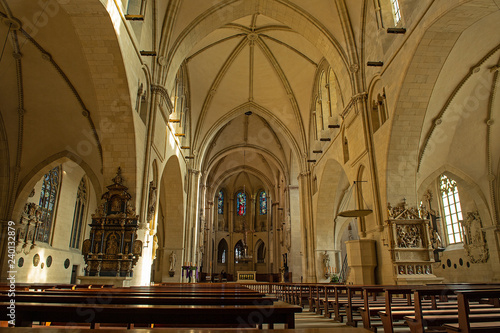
409	236
474	238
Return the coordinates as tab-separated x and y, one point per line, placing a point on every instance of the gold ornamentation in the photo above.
112	249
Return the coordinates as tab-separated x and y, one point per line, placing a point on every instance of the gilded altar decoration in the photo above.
474	238
112	249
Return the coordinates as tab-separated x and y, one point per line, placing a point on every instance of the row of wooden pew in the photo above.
446	307
172	305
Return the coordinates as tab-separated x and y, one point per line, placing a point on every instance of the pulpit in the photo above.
112	249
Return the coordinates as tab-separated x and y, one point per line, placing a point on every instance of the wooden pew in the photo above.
174	315
316	293
181	330
235	306
337	302
422	318
103	298
467	319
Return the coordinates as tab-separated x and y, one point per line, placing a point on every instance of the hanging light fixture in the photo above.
355	193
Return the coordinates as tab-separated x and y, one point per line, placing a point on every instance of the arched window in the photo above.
48	203
241	204
79	214
239	251
222	252
263	203
220	203
324	94
452	209
261	251
396	11
136	9
318	117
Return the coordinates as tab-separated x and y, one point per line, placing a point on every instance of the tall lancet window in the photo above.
79	214
263	203
396	10
48	203
452	209
241	204
220	203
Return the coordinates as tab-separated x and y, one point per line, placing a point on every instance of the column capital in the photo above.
303	174
194	171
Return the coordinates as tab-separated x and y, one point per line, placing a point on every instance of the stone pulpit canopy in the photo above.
112	249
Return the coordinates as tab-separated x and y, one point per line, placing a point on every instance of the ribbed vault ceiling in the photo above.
256	61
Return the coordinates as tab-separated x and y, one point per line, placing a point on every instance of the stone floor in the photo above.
308	319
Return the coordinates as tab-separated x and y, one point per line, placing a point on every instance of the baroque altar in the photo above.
112	249
411	245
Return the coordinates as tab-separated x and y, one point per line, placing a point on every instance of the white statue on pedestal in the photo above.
173	259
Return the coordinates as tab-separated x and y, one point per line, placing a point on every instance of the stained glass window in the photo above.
241	204
78	215
263	203
47	203
452	209
220	202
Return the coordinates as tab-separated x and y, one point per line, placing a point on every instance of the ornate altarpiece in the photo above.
113	249
410	245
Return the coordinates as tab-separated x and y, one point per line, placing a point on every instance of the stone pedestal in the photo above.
418	279
116	281
362	260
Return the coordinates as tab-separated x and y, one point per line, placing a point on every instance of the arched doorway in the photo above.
170	232
333	185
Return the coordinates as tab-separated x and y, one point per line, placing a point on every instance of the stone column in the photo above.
191	218
306	224
270	242
297	254
230	216
362	260
209	214
276	237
